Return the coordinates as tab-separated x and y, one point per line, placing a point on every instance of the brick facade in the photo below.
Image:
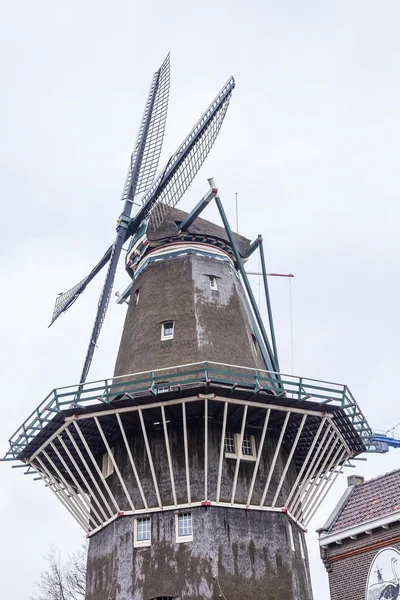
348	563
365	522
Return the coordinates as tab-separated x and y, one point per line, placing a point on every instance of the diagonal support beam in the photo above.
266	349
268	301
192	216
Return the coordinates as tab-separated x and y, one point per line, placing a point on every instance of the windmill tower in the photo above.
196	468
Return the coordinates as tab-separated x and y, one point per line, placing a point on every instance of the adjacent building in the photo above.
360	542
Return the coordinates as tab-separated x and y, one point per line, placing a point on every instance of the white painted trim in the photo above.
183	538
140	543
205	449
239	453
326	491
171	472
260	449
185	444
290	528
326	540
96	466
303	556
314	476
325	475
187	507
153	473
164	336
157	404
92	496
309	473
128	450
89	471
60	494
289	459
276	454
116	469
221	451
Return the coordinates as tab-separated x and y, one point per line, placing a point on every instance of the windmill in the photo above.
159	195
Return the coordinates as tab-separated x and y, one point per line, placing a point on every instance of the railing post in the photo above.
106	392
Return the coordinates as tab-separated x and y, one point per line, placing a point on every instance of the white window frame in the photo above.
163	386
136	542
168	336
249	457
213	282
183	538
107	466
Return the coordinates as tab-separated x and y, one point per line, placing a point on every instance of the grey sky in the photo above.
310	143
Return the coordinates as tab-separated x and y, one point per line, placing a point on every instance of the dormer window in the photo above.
167	330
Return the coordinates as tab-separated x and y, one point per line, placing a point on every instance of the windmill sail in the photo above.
151	134
164	193
142	169
183	166
144	163
65	300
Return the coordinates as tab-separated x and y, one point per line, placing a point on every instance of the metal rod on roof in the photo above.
237	213
268	301
267	351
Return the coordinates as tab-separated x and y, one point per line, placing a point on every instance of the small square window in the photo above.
247	445
213	282
107	467
142	532
167	330
184	527
162	387
230	443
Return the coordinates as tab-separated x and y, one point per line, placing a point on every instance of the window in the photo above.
142	532
167	330
232	441
184	527
107	467
162	387
213	282
137	297
247	445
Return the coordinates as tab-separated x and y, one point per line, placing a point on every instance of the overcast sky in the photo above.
310	143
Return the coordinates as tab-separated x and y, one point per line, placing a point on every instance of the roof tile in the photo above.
370	500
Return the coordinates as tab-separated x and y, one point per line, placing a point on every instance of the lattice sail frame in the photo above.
66	299
178	174
149	141
308	428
